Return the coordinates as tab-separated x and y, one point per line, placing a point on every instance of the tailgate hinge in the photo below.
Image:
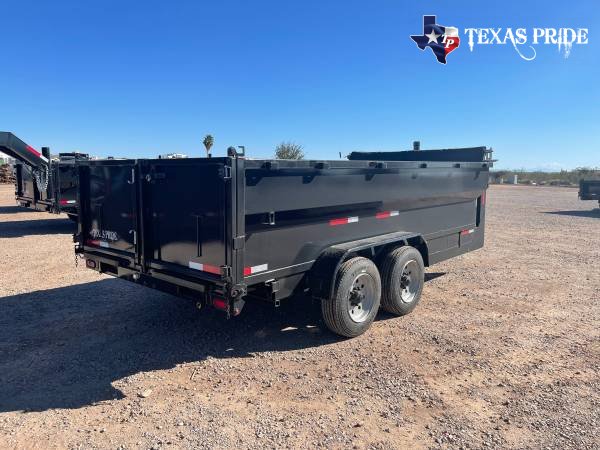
225	271
225	172
239	242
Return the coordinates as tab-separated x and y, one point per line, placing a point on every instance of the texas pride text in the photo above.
563	37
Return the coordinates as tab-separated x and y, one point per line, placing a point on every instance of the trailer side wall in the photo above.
293	214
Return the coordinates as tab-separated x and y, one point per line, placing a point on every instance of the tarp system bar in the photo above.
15	147
467	154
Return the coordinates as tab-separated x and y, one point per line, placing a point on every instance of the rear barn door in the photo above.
187	204
66	185
111	212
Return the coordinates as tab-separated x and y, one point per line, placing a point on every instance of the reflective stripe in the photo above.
343	221
196	266
463	232
255	269
98	243
36	153
204	267
386	214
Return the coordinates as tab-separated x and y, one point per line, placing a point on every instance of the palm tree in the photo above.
208	143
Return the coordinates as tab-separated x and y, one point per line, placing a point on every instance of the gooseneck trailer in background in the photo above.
355	234
43	183
589	190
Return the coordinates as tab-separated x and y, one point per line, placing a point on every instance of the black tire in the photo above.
403	277
352	308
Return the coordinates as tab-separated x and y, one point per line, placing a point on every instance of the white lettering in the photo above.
483	36
537	33
470	31
551	36
563	37
582	35
509	35
495	35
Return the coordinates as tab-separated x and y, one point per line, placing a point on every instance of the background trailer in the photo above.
589	190
43	183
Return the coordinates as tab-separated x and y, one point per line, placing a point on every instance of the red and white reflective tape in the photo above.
464	232
30	149
343	221
98	243
255	269
67	202
205	267
386	214
483	198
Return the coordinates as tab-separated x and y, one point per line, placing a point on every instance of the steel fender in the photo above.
326	267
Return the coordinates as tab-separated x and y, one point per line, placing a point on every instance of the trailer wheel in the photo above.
355	300
403	276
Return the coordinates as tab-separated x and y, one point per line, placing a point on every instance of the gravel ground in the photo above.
503	351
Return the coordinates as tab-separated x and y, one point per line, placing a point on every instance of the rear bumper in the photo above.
40	205
202	288
47	205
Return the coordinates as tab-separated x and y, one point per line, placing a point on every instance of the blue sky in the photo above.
142	78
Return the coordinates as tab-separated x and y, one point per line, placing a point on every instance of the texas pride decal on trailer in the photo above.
440	39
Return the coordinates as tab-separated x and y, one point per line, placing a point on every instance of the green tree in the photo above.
208	143
289	150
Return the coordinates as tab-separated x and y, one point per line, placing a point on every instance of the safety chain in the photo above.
77	257
41	178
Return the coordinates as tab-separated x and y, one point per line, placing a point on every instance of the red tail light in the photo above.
220	303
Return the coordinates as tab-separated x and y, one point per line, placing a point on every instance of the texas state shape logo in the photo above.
440	39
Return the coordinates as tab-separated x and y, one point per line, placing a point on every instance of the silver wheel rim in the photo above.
361	297
409	281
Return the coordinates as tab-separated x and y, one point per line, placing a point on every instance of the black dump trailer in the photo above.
354	234
589	190
43	183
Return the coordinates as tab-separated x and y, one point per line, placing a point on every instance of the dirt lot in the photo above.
503	351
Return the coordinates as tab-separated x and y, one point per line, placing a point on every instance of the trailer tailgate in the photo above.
187	206
109	207
158	215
